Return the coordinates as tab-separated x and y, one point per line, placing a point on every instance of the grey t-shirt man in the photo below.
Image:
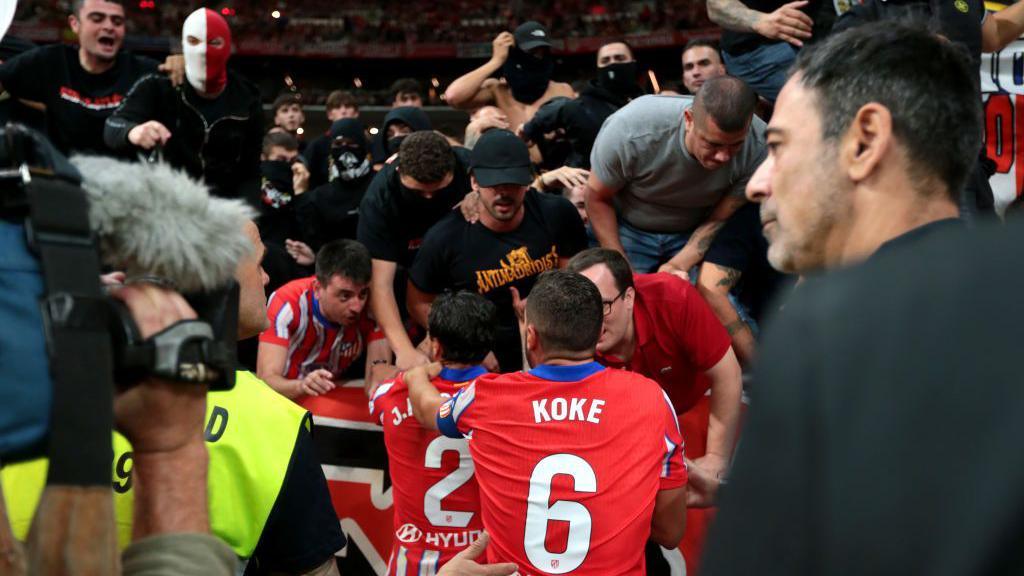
662	188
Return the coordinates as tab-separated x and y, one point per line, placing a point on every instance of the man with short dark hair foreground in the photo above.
887	439
319	325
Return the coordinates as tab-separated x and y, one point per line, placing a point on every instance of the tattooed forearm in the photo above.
734	327
706	235
730	278
732	15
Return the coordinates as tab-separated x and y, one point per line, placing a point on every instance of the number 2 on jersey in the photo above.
450	483
539	512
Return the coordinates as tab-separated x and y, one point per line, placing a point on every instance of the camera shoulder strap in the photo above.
75	318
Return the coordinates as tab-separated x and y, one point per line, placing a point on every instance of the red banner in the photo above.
351	449
1002	87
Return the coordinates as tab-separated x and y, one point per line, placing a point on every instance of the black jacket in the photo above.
316	160
225	153
886	434
331	211
412	116
581	119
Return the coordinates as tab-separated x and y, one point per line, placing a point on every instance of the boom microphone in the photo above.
153	220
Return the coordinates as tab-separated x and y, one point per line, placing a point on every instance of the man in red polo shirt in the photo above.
659	326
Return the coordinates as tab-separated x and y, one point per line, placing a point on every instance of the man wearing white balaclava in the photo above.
211	126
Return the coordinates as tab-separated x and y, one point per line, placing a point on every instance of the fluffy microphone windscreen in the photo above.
153	220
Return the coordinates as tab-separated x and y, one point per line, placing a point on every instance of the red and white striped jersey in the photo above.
437	503
297	324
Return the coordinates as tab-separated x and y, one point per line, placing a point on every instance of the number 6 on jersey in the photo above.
538	513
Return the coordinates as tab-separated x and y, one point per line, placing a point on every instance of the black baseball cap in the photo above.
530	35
500	157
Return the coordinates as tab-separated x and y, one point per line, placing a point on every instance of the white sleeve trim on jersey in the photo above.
284	317
670	450
381	390
463	400
450	411
671	409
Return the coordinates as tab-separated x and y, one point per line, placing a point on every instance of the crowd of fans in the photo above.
577	283
389	22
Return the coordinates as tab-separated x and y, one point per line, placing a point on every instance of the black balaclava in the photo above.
350	160
276	189
619	78
527	76
412	116
395	143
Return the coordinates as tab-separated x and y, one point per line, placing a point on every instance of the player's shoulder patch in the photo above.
452	409
463	399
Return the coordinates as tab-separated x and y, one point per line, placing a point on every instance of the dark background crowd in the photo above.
376	45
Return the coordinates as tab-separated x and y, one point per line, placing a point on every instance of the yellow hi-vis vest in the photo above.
250	434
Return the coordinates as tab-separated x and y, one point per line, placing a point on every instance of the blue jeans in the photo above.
763	68
648	250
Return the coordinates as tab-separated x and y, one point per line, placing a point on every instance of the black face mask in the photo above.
415	200
276	190
618	78
348	163
394	143
527	76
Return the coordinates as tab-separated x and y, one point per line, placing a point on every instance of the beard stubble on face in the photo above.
801	238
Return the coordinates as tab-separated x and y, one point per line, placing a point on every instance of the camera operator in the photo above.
161	358
267	493
164	422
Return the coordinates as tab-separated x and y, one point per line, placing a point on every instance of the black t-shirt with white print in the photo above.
77	102
457	255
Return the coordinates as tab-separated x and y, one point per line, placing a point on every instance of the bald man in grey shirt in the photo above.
668	171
